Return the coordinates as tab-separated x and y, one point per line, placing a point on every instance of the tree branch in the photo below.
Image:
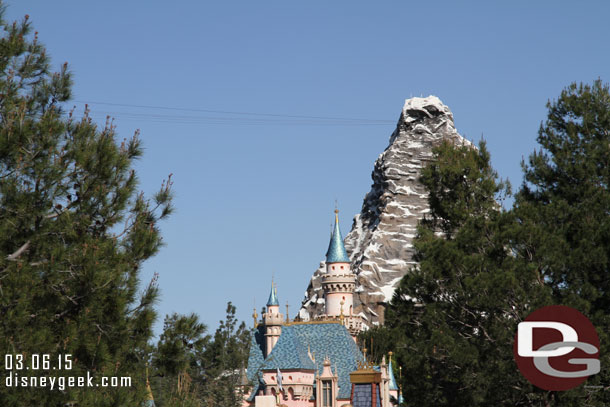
14	256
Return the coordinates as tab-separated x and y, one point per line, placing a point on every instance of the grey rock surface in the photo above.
380	241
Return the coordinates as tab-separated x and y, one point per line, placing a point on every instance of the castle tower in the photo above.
339	283
273	320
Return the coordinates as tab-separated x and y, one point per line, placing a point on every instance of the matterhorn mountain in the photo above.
380	243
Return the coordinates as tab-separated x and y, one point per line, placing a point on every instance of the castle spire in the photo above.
273	296
272	320
255	317
393	385
336	250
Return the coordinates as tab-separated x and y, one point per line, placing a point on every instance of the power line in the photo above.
256	118
159	118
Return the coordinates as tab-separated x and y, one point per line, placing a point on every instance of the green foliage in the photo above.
452	319
193	369
223	359
482	269
181	344
462	186
177	361
563	207
74	232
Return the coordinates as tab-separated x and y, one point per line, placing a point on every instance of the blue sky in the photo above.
255	193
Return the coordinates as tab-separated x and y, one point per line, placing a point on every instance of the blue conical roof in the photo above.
336	251
393	385
273	297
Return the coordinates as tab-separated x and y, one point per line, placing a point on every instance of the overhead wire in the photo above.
222	117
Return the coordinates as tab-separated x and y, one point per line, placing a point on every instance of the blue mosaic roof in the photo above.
289	353
336	250
256	360
330	340
273	296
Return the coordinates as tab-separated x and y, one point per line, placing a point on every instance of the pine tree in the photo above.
74	233
223	359
564	208
178	362
452	319
195	369
482	269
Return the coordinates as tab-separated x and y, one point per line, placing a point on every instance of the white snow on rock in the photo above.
380	241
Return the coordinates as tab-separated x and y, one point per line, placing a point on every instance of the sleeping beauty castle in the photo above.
316	363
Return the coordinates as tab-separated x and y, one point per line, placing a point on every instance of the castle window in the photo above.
327	393
333	267
341	267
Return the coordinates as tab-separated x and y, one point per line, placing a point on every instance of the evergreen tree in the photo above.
193	369
178	362
74	232
452	319
482	270
564	208
223	359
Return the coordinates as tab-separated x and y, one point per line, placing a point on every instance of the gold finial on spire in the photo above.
390	354
336	212
255	316
287	317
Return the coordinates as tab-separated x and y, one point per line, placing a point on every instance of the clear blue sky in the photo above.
255	194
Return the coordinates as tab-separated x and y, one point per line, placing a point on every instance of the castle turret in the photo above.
273	320
338	282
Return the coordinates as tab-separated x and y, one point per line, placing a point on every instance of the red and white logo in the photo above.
556	348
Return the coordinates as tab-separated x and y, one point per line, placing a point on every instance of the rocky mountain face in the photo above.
380	241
